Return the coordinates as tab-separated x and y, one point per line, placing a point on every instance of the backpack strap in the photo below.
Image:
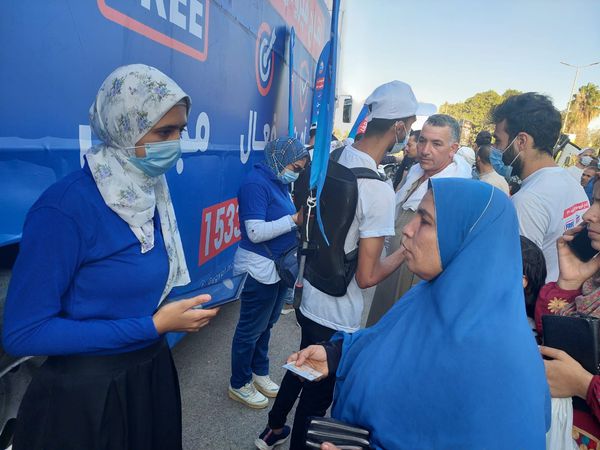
359	172
337	153
363	172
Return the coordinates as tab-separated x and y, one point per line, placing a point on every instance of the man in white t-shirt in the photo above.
550	200
392	111
487	174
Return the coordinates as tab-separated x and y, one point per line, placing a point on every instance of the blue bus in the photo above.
230	57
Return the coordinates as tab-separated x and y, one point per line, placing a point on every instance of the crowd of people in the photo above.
459	267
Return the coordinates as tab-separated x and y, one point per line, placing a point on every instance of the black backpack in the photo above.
328	268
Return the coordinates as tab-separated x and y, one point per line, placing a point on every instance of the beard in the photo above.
508	158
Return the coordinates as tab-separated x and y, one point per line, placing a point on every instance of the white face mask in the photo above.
586	160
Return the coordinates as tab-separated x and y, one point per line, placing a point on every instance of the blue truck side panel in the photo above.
55	55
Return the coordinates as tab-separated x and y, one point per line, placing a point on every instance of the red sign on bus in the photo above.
220	229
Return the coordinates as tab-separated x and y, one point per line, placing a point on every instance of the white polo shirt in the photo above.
374	218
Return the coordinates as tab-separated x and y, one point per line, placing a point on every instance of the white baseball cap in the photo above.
468	154
393	100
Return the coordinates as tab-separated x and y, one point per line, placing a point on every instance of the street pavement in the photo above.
211	420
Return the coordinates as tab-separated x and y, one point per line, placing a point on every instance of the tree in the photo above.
585	106
477	108
594	139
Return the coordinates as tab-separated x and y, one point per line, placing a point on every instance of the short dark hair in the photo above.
484	153
376	127
444	120
415	134
379	126
531	113
534	268
483	138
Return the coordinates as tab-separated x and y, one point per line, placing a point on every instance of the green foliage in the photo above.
594	139
585	106
477	109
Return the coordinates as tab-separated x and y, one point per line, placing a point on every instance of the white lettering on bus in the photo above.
177	16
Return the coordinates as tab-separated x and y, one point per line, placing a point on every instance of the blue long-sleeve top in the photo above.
80	284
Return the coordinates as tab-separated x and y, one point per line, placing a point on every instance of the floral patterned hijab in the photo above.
129	103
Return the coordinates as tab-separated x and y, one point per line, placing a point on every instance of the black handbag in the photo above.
286	265
579	336
336	432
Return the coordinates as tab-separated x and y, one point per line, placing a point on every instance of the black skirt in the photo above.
127	401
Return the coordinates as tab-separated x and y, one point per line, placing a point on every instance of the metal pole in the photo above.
570	100
577	68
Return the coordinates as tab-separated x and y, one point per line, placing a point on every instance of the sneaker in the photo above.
268	439
249	396
287	308
265	385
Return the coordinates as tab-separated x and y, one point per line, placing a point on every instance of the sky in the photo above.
448	50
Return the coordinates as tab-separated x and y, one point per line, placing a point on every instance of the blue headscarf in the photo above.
453	365
283	151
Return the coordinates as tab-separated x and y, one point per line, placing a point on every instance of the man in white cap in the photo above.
436	153
392	110
582	160
468	155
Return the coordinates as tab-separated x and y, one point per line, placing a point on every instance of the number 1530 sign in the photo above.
220	229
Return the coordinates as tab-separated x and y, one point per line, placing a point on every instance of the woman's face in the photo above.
297	166
168	128
592	217
420	242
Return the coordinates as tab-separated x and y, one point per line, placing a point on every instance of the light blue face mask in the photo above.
288	176
399	146
160	157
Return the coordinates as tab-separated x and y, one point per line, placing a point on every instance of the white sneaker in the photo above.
287	309
265	385
249	396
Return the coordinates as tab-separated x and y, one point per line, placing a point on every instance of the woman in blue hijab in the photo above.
453	365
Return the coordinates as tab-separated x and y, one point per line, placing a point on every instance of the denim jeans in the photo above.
260	308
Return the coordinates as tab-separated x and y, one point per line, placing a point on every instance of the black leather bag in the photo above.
286	265
579	336
338	433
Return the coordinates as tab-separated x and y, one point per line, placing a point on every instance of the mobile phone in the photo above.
222	292
581	246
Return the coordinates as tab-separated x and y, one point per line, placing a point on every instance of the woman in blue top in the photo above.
269	221
100	252
453	365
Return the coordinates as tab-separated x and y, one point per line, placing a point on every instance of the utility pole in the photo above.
577	68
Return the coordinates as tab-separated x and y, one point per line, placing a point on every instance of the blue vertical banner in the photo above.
325	113
319	82
291	96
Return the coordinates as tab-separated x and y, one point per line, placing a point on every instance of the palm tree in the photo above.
584	108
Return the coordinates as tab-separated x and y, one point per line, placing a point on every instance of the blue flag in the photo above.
319	82
359	126
290	103
323	108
